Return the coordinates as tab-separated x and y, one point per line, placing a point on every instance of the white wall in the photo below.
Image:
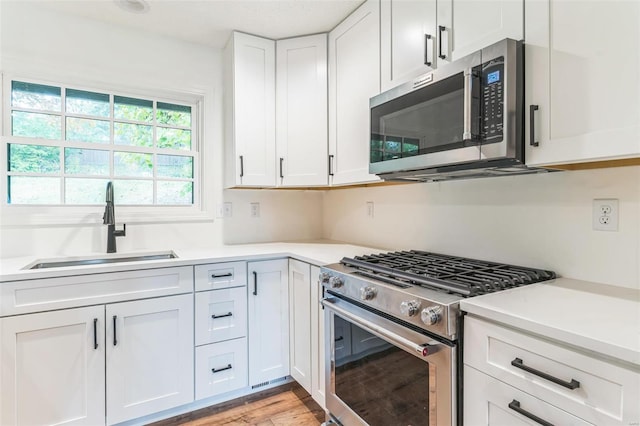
38	43
540	221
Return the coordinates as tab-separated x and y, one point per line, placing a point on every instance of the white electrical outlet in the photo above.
255	209
227	209
605	214
370	209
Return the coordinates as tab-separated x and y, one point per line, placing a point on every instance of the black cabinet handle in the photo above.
330	164
515	406
115	337
95	333
241	165
339	339
281	175
230	314
532	125
427	42
222	275
255	283
217	370
441	30
573	384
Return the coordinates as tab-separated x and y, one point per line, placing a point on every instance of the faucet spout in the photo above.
109	219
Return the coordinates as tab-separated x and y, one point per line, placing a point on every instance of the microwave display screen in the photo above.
493	77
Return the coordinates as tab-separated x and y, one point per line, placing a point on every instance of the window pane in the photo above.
33	190
34	125
87	103
174	138
175	166
33	158
35	96
175	192
85	191
173	115
132	109
132	164
86	161
133	192
85	130
133	134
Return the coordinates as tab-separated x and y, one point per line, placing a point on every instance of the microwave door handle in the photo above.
468	90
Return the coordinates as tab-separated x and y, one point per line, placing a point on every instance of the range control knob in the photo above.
367	293
431	315
324	277
335	282
409	308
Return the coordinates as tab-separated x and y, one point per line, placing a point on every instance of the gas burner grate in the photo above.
459	275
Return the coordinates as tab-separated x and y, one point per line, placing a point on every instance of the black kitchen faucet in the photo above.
109	218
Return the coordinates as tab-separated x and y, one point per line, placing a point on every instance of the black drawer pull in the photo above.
515	406
230	314
339	339
95	333
228	367
573	384
214	276
115	334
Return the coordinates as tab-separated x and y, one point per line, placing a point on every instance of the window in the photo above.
65	144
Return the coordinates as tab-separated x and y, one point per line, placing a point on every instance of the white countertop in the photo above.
316	253
596	317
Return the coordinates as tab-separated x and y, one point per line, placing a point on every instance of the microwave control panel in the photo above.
492	99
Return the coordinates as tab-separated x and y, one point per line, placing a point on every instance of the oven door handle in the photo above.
420	350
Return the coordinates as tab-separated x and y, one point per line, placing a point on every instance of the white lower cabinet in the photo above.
221	315
317	339
555	382
56	365
53	368
300	322
221	367
149	356
268	294
488	401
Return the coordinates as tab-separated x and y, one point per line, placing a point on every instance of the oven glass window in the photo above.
427	120
384	385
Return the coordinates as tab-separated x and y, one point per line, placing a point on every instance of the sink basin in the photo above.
84	261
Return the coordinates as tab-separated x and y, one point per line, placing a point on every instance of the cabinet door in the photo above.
149	356
300	322
268	320
407	40
470	25
53	368
252	111
301	105
354	77
582	73
317	339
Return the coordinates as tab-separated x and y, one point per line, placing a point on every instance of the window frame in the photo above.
60	214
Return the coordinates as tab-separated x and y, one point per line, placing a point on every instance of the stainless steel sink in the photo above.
60	263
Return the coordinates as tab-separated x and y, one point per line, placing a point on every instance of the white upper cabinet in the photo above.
408	41
354	77
250	111
301	111
465	26
582	73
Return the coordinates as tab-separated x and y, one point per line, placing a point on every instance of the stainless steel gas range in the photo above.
393	334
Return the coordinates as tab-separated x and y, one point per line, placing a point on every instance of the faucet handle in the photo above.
122	232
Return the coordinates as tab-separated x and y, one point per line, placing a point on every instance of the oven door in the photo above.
381	373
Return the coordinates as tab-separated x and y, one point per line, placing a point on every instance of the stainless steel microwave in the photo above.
462	120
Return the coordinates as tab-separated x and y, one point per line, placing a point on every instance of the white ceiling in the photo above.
210	22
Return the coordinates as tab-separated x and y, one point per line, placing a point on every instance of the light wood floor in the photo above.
288	404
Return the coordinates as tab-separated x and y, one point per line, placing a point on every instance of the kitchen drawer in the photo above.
604	392
221	367
490	402
220	275
22	297
221	315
